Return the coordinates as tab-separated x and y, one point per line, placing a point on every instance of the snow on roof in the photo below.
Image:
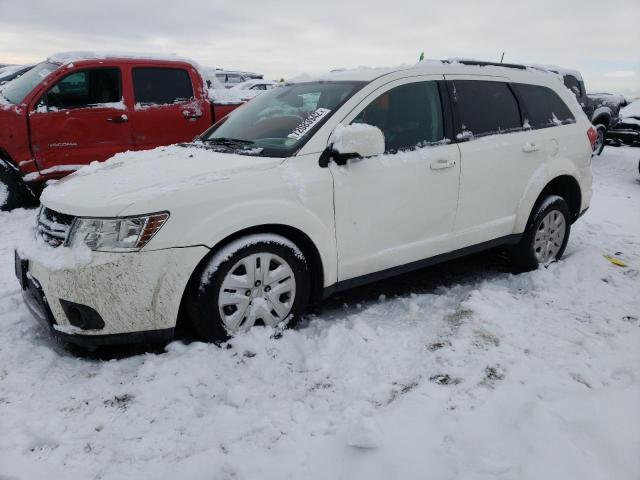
426	67
556	69
70	57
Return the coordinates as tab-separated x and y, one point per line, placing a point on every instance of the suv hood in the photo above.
107	189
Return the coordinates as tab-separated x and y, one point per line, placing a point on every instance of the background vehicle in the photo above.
9	73
74	109
627	130
256	84
309	189
230	78
601	108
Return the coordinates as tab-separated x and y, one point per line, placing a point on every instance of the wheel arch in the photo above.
295	235
565	186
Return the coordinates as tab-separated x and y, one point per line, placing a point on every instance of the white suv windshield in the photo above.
280	121
16	90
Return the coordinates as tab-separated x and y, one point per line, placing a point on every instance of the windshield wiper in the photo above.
228	141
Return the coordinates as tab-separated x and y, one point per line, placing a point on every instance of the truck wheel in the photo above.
13	192
599	145
260	279
545	237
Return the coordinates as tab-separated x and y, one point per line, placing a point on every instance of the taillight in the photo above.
593	136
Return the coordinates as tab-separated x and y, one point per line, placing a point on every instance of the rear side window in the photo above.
543	107
410	116
486	107
86	88
161	86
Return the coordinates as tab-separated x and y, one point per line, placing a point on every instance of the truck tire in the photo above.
546	236
13	192
602	134
260	279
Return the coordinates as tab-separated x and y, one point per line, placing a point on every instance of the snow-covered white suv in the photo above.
309	189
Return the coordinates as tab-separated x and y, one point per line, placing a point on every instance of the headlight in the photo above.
127	234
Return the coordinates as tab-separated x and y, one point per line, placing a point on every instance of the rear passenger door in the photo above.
498	157
400	207
167	109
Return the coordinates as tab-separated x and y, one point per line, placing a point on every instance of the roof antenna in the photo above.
502	57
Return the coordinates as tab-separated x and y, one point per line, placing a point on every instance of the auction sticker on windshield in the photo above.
308	123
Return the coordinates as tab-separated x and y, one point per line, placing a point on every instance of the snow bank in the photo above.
462	371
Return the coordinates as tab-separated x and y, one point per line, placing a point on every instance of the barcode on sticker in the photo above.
308	123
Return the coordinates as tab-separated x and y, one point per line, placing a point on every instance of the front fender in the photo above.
228	221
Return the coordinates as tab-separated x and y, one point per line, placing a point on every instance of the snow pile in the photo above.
359	138
459	371
31	245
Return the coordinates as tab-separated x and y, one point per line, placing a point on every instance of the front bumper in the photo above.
136	295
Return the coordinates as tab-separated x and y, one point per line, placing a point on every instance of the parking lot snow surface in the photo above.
461	371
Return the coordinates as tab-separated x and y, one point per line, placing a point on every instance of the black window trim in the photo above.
148	104
525	113
91	106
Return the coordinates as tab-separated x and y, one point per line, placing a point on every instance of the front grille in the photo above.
54	227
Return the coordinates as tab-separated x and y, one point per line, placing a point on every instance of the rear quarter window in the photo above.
543	107
161	86
485	107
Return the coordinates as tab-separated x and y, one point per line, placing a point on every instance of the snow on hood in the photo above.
106	189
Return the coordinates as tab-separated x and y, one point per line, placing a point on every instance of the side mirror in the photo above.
347	142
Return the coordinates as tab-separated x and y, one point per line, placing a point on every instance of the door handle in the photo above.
442	164
530	147
191	115
118	119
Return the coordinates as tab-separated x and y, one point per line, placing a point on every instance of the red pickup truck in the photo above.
73	109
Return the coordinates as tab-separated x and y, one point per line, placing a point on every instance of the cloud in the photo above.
621	74
282	38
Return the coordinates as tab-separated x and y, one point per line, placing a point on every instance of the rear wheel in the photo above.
546	235
258	280
13	192
598	146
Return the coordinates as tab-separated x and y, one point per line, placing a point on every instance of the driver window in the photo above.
410	116
86	88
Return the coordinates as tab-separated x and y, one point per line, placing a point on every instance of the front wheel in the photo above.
546	236
260	279
13	192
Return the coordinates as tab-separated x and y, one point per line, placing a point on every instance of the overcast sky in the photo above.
285	38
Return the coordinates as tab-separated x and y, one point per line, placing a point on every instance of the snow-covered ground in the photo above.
461	371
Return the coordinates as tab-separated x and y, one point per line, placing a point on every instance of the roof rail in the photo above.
480	63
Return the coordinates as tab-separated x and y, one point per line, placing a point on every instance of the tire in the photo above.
13	192
600	140
249	298
543	242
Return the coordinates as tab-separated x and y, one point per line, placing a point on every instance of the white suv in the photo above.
309	189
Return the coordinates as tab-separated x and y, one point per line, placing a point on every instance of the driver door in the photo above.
400	207
82	118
